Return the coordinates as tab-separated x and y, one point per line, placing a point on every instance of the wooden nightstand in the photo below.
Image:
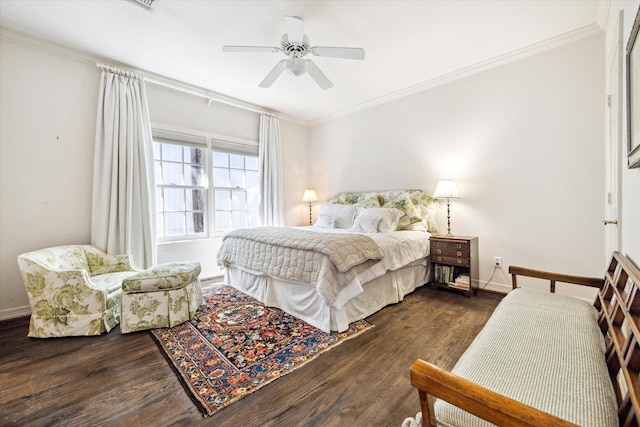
454	263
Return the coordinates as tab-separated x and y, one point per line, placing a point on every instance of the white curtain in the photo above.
271	204
123	209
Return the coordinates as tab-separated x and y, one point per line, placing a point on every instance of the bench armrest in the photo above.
515	271
475	399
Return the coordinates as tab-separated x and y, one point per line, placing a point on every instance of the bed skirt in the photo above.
356	301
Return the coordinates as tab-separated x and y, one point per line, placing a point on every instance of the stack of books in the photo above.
462	282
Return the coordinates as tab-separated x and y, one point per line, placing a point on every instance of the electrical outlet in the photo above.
497	261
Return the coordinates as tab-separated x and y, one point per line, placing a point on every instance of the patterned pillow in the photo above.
411	213
369	200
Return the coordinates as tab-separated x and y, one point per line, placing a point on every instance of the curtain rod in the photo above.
186	88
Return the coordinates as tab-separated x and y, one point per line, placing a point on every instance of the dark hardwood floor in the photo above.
119	380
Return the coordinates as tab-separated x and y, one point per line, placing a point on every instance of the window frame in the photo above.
210	143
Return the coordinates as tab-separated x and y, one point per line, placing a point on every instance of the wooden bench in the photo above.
616	319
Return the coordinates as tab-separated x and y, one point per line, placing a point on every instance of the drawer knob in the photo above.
459	261
459	253
458	245
439	251
439	258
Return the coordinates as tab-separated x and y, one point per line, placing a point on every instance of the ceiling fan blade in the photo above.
295	29
262	49
318	75
338	52
273	74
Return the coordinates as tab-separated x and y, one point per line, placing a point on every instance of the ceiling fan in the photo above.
295	44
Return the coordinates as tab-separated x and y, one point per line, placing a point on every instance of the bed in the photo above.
365	251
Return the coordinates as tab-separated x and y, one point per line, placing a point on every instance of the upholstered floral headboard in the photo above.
420	209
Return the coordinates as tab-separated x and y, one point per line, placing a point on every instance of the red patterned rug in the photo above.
234	345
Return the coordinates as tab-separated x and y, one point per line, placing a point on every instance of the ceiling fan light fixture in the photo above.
296	66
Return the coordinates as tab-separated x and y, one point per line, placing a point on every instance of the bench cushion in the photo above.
162	277
545	350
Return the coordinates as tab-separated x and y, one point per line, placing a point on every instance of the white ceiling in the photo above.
409	44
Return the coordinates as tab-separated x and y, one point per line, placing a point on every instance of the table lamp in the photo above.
447	189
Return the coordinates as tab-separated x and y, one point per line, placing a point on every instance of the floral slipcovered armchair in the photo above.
74	289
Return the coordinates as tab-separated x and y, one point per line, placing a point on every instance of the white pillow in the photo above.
343	213
325	221
366	223
389	217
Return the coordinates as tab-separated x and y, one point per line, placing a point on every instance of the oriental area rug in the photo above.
235	345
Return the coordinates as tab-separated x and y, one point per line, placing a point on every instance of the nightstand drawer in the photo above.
453	248
452	260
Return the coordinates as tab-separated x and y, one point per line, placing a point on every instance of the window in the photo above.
202	192
236	191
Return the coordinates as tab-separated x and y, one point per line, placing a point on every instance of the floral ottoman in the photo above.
164	296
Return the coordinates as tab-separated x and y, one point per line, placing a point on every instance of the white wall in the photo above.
48	105
630	178
47	130
524	142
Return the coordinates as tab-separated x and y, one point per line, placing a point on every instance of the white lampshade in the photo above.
446	189
309	196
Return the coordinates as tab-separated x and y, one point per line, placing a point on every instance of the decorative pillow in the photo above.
343	213
411	213
369	200
389	217
345	199
429	208
366	223
325	221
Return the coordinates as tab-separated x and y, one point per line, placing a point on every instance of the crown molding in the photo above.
516	55
543	46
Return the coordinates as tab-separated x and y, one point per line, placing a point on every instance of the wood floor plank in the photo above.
124	380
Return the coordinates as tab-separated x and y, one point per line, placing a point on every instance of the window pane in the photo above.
172	173
239	219
172	152
237	161
157	147
251	163
252	179
222	200
194	175
195	223
239	200
237	179
195	200
157	172
194	155
174	224
159	200
223	221
220	159
174	199
221	177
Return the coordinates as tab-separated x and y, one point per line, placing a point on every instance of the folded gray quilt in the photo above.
330	261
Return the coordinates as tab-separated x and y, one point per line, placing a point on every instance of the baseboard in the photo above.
500	288
12	313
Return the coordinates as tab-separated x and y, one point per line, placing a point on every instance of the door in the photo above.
614	140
